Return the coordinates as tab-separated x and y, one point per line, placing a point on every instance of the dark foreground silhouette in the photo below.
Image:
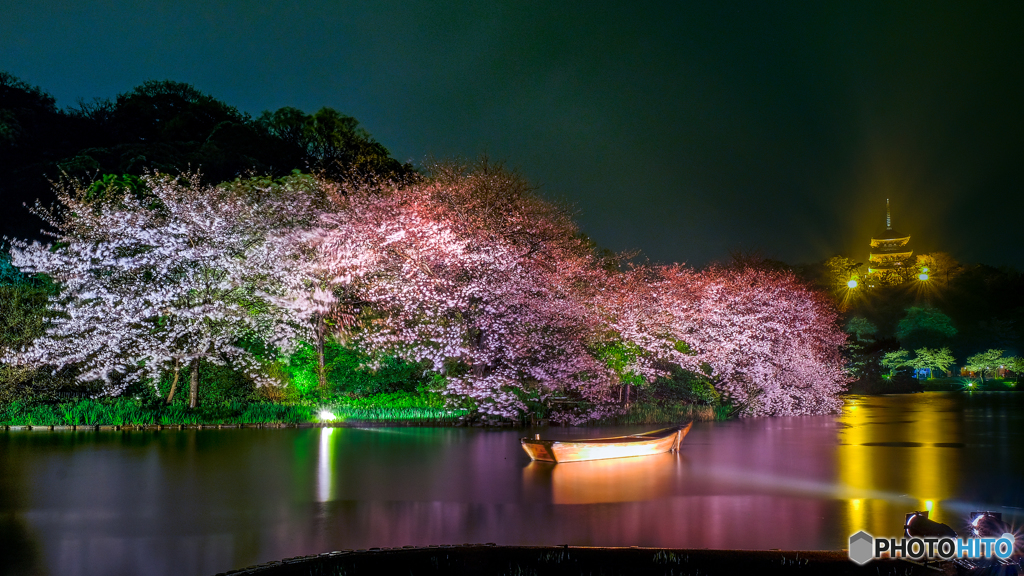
489	559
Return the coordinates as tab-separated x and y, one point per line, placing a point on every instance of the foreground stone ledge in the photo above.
490	559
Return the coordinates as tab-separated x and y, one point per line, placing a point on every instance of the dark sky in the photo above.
683	129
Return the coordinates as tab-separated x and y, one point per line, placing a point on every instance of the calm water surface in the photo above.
202	502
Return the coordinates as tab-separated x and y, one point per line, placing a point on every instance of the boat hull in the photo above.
656	442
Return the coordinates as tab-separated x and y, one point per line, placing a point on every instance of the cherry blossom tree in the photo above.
495	288
773	344
154	282
932	358
895	360
642	338
987	361
472	272
466	269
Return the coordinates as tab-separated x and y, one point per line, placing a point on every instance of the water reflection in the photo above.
324	471
203	502
19	551
897	455
602	481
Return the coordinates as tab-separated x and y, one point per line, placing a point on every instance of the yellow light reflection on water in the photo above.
897	460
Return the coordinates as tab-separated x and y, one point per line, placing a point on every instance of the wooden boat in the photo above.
656	442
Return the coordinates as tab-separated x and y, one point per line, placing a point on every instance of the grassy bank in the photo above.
971	384
130	412
957	384
395	407
390	408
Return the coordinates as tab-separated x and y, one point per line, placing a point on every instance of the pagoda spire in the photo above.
888	219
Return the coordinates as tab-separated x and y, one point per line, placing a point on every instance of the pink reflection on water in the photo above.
677	522
203	502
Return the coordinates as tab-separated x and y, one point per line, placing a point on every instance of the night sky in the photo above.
684	129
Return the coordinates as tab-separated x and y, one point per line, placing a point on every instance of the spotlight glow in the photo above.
852	284
922	277
326	416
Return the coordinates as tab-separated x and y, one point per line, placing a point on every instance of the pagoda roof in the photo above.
889	254
890	234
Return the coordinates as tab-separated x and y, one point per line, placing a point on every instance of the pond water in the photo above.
202	502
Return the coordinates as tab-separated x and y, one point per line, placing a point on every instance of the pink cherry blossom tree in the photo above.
472	272
773	343
639	328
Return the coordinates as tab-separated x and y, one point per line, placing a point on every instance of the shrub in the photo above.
350	371
684	386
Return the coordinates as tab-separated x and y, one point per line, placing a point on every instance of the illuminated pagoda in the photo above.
890	250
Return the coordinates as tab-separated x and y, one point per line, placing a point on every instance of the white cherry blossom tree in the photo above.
155	282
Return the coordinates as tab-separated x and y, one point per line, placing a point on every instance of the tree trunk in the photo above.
478	370
174	383
628	387
193	389
321	371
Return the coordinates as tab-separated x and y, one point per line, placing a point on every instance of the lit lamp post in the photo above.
848	295
923	276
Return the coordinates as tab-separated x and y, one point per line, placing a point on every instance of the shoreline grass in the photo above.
954	384
965	384
132	412
381	409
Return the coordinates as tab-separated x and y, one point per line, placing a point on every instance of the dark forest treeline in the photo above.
169	127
